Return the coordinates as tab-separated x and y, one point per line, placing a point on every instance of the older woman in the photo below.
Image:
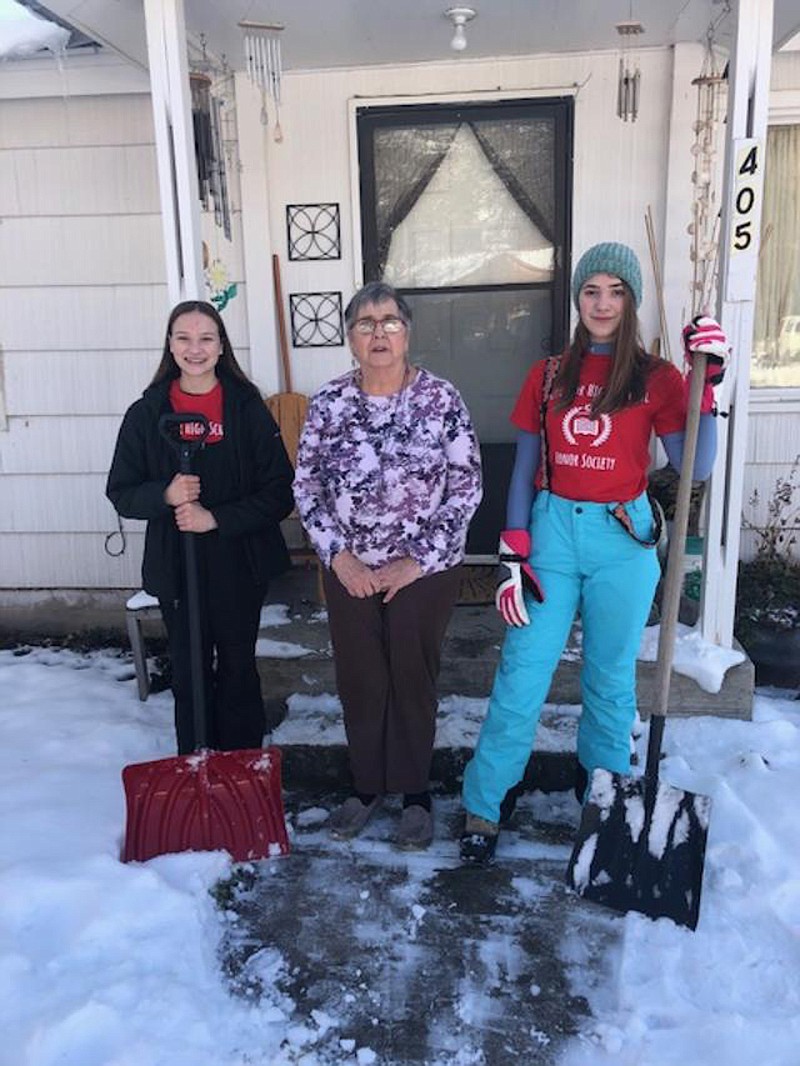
388	477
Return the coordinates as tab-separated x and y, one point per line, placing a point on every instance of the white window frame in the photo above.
784	110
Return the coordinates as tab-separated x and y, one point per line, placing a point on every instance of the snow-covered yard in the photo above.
105	964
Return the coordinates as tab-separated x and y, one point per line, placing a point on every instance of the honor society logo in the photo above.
577	422
581	429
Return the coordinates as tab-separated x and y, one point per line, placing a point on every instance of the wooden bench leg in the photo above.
134	626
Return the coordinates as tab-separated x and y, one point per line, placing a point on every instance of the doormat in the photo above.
478	585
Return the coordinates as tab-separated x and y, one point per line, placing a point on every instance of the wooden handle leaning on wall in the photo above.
284	343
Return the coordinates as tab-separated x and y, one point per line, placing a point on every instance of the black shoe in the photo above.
478	841
581	783
509	803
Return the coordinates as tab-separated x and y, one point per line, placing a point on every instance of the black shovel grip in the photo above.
169	426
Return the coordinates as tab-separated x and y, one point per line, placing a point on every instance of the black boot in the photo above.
478	841
581	782
509	803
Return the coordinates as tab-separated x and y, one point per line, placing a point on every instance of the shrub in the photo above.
768	590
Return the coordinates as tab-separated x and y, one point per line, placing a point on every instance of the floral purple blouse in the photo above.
388	476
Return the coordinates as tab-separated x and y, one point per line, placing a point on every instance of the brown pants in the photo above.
387	660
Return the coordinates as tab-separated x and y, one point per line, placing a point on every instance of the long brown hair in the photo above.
631	366
227	364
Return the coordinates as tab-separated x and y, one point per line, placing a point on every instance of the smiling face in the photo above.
601	302
196	347
380	352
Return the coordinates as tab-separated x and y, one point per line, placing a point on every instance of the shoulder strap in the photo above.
550	371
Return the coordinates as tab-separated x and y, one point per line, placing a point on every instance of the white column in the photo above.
177	169
748	99
258	246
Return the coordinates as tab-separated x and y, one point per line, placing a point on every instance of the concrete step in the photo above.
295	656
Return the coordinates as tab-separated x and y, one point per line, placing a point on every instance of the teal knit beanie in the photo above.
609	258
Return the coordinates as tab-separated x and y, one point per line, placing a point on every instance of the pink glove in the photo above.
704	334
516	574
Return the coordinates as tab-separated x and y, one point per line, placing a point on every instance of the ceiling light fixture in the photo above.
460	16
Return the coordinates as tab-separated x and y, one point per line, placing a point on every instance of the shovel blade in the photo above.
641	847
209	801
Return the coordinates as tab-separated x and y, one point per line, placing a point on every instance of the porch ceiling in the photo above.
343	33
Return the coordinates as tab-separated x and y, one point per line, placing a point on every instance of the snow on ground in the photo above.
693	656
105	964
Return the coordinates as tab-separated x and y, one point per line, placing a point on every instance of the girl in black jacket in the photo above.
236	497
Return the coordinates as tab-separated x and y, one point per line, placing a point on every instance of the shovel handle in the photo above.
169	426
282	336
673	581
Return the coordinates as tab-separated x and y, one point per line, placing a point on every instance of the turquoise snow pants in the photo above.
585	562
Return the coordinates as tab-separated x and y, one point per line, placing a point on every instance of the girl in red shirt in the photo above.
581	534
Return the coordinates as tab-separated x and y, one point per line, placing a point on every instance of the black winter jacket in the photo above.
249	504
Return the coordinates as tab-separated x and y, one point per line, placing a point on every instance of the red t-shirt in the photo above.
207	403
603	459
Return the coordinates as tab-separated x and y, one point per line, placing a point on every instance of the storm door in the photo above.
466	211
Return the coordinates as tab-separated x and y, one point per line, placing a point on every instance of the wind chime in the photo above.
262	48
629	73
209	142
704	228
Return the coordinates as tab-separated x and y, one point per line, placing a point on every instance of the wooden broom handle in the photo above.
276	284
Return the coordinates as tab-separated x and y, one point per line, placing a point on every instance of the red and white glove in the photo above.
704	334
515	575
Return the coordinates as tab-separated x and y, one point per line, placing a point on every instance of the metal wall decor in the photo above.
313	231
316	319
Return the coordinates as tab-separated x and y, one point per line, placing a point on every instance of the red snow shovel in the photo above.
641	843
211	800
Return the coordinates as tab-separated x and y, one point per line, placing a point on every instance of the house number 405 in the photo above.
744	205
747	194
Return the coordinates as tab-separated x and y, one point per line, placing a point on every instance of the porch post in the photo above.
748	99
177	170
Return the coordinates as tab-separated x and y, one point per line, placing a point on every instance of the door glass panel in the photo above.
485	342
465	209
466	228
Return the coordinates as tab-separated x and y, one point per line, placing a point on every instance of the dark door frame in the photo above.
561	108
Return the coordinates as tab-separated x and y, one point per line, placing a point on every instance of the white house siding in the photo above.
83	302
773	445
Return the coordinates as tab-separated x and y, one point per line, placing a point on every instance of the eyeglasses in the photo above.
369	325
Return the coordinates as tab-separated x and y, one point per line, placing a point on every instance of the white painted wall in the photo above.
83	304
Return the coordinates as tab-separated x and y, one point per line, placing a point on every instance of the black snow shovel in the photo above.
211	800
641	843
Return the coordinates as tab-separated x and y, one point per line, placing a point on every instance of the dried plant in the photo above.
778	536
768	590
